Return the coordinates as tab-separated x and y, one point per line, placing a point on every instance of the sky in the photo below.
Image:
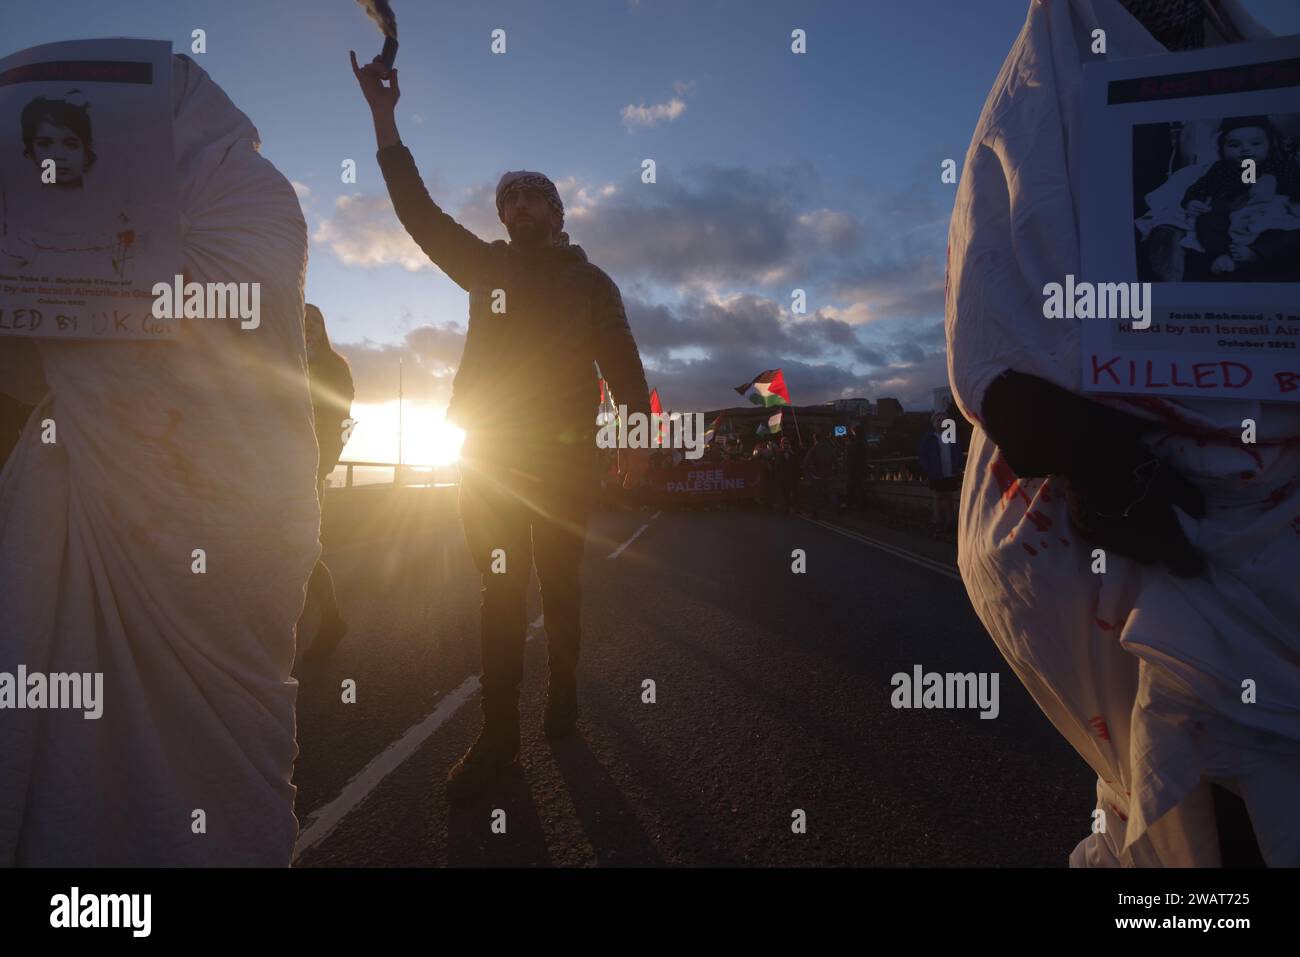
775	171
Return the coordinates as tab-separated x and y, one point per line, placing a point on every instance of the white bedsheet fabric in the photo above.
1141	671
165	447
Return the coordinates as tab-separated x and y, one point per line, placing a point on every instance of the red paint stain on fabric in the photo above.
1002	474
1118	813
1099	727
1030	548
1173	419
1041	521
1282	492
1064	541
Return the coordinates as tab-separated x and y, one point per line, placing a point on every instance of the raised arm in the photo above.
449	245
615	349
620	364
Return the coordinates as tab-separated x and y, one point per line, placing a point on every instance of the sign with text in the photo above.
89	216
1191	194
717	481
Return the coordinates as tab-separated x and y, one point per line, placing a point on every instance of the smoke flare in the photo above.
382	14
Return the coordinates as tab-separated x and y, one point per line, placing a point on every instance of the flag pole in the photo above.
798	434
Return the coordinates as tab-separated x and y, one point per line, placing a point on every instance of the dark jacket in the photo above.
819	463
525	375
931	456
856	457
331	404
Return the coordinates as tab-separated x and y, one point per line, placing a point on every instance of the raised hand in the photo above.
371	79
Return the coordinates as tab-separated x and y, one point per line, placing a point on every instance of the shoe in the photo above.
495	750
561	719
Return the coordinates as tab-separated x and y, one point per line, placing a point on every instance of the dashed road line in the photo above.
635	535
894	550
322	822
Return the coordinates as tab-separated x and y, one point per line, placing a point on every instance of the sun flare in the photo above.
427	437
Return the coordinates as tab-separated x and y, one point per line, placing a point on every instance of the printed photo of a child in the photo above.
1215	216
53	221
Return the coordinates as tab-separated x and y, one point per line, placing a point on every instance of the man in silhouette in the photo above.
526	393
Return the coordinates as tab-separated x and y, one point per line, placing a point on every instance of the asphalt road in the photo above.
773	695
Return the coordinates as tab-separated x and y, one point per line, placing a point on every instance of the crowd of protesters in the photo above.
820	472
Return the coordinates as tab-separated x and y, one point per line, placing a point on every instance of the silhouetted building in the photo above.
887	410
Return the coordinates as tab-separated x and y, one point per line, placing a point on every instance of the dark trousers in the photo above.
855	496
534	512
321	587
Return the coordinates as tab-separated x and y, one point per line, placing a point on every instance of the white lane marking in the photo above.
322	822
894	550
635	535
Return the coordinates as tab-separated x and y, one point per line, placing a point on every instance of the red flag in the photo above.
661	438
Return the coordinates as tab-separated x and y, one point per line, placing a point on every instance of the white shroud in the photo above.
166	447
1141	671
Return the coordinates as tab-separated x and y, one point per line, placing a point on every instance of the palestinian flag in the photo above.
769	389
772	425
709	432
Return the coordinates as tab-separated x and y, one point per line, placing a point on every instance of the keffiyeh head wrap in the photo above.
1178	24
527	179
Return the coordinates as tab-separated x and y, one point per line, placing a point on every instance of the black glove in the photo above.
1120	496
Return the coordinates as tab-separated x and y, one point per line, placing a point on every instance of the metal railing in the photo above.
432	475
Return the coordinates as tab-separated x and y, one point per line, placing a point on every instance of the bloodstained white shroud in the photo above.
1141	671
203	441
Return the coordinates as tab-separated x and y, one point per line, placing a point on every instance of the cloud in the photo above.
725	340
738	322
429	356
728	227
364	231
708	229
706	259
302	189
644	117
697	350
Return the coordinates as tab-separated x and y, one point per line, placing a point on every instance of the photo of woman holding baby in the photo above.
1227	210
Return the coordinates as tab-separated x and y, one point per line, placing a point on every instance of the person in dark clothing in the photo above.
856	466
819	463
942	465
540	313
791	466
330	380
